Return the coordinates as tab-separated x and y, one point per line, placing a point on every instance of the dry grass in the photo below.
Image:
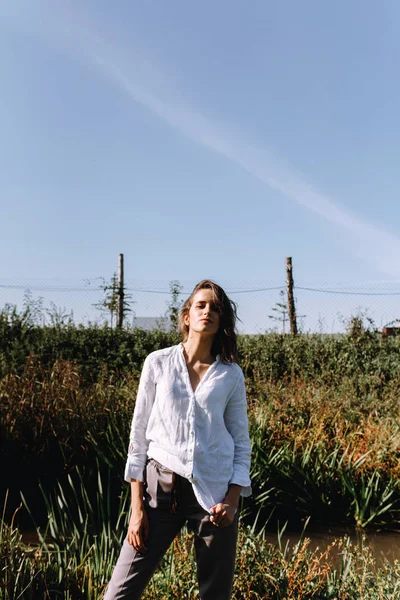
315	444
310	414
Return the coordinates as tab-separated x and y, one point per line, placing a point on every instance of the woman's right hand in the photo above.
138	529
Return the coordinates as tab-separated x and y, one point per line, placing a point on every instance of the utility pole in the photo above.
120	310
290	297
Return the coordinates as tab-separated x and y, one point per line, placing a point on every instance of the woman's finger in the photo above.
216	509
141	545
221	516
135	540
131	538
217	521
222	523
137	543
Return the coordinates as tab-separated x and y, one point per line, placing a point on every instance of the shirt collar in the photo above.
180	347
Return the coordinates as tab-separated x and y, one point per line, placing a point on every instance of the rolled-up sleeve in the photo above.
138	443
236	422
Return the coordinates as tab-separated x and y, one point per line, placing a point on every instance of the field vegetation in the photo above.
324	419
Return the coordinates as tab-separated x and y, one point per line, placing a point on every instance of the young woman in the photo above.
189	453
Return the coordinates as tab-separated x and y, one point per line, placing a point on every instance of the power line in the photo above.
281	287
167	292
48	288
138	290
297	287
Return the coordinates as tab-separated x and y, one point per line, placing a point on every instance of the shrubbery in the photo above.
325	429
361	355
323	414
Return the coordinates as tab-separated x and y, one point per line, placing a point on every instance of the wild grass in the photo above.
324	416
75	554
329	451
325	454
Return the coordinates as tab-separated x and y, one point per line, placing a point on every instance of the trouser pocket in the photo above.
159	485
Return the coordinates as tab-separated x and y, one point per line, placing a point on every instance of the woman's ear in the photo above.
186	319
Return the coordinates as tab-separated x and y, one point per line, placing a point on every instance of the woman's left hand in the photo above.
222	515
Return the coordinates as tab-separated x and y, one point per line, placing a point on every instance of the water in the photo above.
385	546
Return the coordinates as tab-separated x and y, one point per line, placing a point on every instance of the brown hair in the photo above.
225	340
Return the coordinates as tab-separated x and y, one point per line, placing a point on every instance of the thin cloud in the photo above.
368	241
132	74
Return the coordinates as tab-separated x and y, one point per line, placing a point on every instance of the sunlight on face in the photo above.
203	316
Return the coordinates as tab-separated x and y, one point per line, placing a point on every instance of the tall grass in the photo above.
319	451
324	417
77	550
326	451
51	423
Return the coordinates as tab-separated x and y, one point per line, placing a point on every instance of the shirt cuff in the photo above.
244	482
246	491
134	471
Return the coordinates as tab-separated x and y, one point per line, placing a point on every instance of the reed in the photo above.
76	551
319	450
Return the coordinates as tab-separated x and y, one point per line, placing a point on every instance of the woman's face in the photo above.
203	316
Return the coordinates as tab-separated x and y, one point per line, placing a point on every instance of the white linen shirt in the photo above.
201	435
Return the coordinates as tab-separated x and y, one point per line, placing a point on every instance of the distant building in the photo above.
150	323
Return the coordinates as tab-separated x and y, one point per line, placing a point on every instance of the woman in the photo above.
189	453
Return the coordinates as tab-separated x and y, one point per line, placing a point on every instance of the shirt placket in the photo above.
192	435
192	408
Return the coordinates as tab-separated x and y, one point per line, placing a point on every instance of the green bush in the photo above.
361	355
323	414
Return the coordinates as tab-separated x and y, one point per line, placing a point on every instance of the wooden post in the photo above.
120	315
290	297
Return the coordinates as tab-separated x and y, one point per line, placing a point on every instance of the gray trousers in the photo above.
170	503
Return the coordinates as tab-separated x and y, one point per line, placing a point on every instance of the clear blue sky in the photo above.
206	139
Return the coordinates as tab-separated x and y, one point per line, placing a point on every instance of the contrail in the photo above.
129	72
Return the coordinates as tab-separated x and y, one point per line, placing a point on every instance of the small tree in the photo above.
281	313
59	317
33	313
174	305
358	325
109	304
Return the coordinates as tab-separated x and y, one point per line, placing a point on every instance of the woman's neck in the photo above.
198	349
